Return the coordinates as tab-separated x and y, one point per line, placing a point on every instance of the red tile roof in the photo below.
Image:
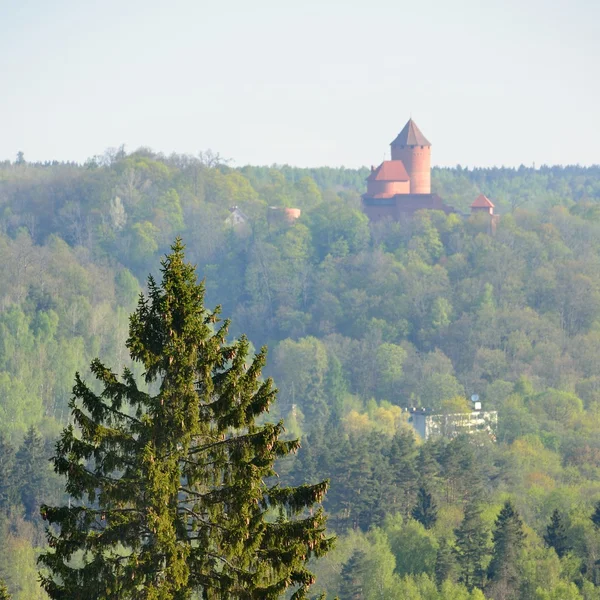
482	202
411	136
389	170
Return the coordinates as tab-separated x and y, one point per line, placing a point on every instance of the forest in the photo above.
361	321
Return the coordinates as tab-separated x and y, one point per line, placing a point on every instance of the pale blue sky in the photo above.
307	82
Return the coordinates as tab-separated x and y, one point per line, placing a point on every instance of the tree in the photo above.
351	587
335	388
596	515
508	538
414	548
402	460
425	510
31	471
556	534
4	595
471	547
7	459
390	358
445	563
168	491
301	367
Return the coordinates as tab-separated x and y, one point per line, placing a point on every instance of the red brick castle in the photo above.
399	187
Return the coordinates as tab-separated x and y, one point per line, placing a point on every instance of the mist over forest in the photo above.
362	321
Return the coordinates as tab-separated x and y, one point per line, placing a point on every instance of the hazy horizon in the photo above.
317	84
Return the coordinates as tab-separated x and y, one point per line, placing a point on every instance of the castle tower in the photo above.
413	149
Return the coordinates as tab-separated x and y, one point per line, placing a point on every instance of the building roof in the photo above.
482	202
389	170
410	136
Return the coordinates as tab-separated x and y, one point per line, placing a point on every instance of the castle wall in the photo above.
381	212
387	188
402	206
482	209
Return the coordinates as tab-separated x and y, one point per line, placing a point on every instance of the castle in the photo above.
400	186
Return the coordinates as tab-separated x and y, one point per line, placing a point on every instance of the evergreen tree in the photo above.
31	473
445	563
471	547
429	468
508	540
354	499
168	492
335	388
556	534
596	515
7	459
425	510
404	477
4	595
351	586
461	470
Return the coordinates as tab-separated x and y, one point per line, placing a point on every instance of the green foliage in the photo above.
414	548
363	319
169	493
472	548
596	515
31	473
556	534
4	595
508	540
445	564
425	510
351	586
7	472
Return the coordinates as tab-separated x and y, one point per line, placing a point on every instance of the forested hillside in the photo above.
360	320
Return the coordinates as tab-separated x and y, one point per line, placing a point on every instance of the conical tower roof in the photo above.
411	136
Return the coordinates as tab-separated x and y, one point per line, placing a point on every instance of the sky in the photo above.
302	82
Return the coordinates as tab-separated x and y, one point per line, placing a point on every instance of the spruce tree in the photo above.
4	595
31	473
596	515
445	563
425	510
556	534
508	540
335	388
351	587
471	547
168	490
402	458
7	459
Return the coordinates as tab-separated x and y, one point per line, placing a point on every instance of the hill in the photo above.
360	321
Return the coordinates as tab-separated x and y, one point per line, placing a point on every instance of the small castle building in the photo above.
482	204
483	210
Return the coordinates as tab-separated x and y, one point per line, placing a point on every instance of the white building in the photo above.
428	423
